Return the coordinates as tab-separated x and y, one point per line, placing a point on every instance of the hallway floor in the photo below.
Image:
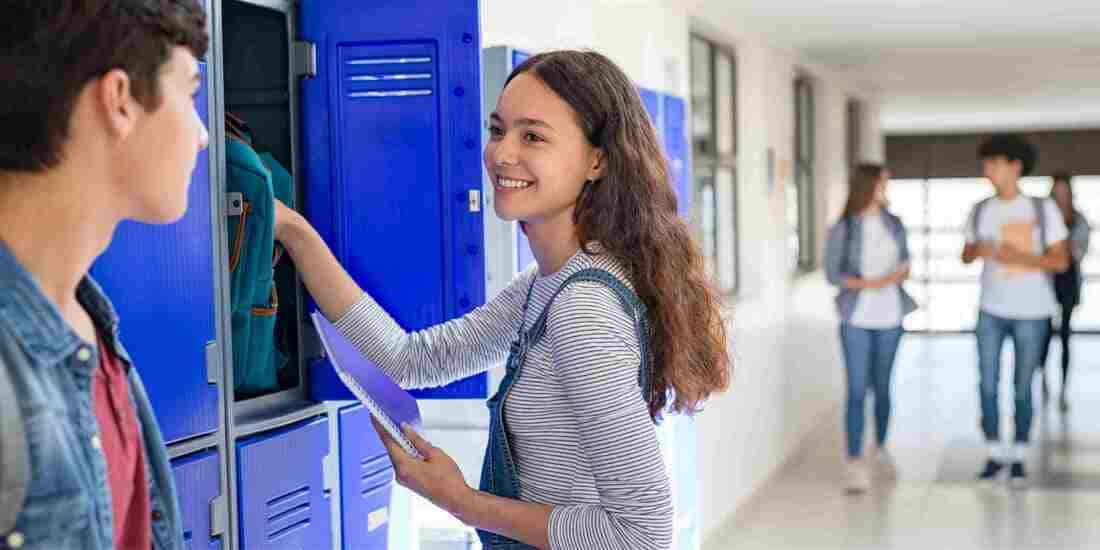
938	447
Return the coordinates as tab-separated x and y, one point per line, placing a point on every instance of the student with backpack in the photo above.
867	258
97	106
1021	241
616	324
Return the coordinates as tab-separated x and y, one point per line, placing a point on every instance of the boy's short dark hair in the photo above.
50	49
1011	146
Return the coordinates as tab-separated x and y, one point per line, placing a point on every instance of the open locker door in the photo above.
392	161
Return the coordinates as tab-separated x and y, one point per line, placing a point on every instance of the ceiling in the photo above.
943	65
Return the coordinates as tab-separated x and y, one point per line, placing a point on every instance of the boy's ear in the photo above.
112	94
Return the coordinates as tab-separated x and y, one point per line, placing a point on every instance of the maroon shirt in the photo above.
120	440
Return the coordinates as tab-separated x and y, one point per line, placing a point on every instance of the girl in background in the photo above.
1067	285
867	258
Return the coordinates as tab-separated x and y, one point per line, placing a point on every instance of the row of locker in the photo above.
291	486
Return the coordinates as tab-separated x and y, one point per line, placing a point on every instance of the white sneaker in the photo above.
857	478
885	465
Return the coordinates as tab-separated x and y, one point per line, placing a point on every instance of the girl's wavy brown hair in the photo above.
632	213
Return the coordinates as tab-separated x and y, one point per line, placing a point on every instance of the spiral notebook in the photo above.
385	400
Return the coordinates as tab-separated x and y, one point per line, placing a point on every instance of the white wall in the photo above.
784	381
788	376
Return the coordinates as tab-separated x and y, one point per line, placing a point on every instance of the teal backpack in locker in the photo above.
253	182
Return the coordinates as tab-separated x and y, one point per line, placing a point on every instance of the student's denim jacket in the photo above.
844	256
66	496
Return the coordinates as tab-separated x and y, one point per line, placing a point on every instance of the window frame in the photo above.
710	164
804	177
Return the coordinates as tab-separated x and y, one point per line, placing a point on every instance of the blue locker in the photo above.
161	280
652	102
282	500
674	126
198	484
518	57
392	160
366	482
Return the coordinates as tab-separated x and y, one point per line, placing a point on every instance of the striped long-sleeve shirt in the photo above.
579	429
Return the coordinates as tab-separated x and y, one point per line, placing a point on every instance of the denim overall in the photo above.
498	473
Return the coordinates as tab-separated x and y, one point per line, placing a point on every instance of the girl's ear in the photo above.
597	165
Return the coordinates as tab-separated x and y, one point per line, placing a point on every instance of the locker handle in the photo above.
474	200
213	363
218	516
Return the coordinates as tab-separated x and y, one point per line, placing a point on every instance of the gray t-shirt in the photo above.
878	308
1016	292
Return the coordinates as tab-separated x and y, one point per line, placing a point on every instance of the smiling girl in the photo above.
615	324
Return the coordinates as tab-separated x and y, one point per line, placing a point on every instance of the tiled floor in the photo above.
938	447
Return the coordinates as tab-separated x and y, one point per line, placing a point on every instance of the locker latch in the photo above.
331	472
475	200
234	204
305	59
218	516
213	363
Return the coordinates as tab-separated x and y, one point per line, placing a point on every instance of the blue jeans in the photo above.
869	360
1028	338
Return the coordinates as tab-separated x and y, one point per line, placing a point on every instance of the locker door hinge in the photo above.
331	471
218	516
213	363
305	59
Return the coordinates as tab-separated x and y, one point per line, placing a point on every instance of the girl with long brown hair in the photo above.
867	257
616	324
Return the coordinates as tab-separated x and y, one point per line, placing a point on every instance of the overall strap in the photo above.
631	304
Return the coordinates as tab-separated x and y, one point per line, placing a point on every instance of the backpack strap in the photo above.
976	218
13	446
631	304
1041	219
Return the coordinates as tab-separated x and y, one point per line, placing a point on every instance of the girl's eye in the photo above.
495	131
532	137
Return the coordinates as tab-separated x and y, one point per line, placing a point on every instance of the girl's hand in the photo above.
436	478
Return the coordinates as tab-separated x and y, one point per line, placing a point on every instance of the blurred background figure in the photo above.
867	257
1068	284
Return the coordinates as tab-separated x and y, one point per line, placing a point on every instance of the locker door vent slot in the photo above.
288	513
389	77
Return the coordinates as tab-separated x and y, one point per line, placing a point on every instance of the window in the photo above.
855	133
714	148
800	202
935	212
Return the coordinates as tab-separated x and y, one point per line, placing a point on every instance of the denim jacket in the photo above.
844	256
66	495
